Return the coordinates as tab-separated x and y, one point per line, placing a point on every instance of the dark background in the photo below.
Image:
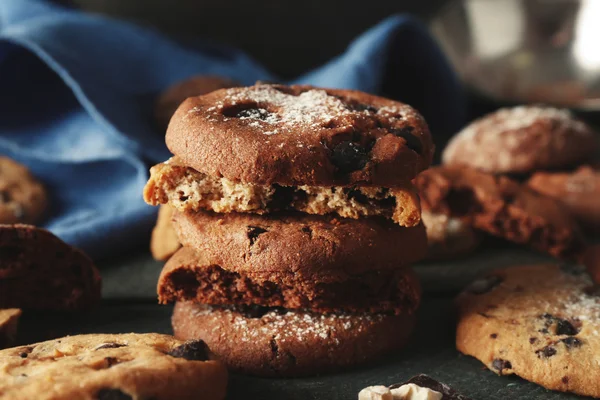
289	37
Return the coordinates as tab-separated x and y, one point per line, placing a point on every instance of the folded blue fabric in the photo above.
77	90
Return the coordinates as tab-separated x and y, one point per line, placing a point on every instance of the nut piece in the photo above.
375	393
411	391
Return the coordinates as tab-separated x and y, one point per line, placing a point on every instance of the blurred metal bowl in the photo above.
525	50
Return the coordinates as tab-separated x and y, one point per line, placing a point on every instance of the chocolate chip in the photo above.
254	232
112	394
349	156
565	379
194	350
356	195
110	361
499	364
23	355
544	331
571	342
484	285
412	142
110	345
532	340
564	327
25	351
494	335
546	352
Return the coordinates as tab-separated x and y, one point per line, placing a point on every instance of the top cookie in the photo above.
301	135
521	140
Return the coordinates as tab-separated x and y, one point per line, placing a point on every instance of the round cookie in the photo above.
277	342
300	135
173	96
501	207
9	321
191	276
304	246
578	191
40	271
448	237
540	322
109	367
22	196
164	242
521	140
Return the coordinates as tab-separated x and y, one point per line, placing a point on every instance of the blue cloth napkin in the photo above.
77	90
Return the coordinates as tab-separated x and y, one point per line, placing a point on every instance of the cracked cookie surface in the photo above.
108	367
189	190
301	135
279	342
540	322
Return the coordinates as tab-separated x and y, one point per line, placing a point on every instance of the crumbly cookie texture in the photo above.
107	367
191	276
301	135
9	320
540	322
522	140
279	342
22	197
164	242
189	190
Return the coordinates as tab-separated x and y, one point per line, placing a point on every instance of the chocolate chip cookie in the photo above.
9	320
539	322
173	96
22	197
40	271
300	135
279	342
521	140
578	191
108	367
186	189
193	276
501	207
304	246
164	242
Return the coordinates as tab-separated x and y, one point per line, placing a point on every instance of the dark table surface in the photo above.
129	305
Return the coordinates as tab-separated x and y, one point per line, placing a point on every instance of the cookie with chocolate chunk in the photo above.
186	189
300	135
539	322
303	246
279	342
522	140
108	367
578	192
173	96
164	242
22	197
193	276
502	207
40	271
9	320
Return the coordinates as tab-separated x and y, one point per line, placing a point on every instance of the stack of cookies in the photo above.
298	221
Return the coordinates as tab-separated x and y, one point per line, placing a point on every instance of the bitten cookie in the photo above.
191	275
164	242
40	271
186	189
307	247
277	342
300	135
173	96
501	207
540	322
521	140
9	321
448	237
578	191
109	367
22	197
